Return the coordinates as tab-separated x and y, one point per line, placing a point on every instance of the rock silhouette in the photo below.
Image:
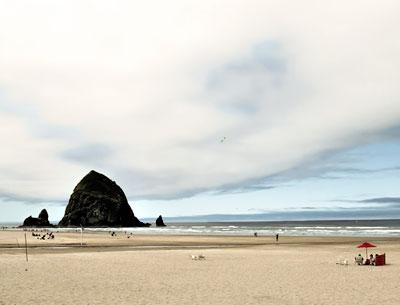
43	215
41	221
160	222
98	201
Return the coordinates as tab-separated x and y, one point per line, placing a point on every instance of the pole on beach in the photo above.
26	253
81	235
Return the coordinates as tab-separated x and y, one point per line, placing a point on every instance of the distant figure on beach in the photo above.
277	237
359	259
372	259
255	234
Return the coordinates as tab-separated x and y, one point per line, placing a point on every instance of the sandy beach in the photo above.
159	270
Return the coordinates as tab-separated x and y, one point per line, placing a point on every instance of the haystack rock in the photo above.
41	221
98	201
160	222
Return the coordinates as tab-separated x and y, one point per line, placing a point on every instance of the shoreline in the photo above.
13	241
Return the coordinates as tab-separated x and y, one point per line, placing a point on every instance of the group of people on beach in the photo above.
276	236
113	234
48	235
359	259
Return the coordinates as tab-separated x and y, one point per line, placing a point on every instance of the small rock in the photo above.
160	222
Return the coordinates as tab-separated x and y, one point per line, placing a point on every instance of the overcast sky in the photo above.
299	92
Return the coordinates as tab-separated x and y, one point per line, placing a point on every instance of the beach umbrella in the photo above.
366	245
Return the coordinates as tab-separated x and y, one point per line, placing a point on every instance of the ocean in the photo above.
379	228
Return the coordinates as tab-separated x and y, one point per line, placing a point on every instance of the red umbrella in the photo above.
366	245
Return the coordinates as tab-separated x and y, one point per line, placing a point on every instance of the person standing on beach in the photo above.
277	237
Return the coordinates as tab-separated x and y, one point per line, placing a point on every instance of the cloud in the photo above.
145	95
89	153
244	189
376	203
389	201
335	172
7	197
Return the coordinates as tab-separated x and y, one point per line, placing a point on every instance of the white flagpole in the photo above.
26	254
81	235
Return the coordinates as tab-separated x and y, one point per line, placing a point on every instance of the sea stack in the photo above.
41	221
98	201
160	222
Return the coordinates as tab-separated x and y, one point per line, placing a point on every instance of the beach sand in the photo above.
149	269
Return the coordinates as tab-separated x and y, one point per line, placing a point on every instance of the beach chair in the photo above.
342	261
380	260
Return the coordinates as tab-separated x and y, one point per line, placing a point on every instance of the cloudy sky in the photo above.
305	95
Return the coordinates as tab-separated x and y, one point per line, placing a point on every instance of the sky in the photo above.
211	107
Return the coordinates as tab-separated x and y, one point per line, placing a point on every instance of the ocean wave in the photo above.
266	229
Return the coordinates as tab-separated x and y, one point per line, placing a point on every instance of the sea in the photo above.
370	228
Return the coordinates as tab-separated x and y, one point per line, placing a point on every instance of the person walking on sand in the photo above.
277	237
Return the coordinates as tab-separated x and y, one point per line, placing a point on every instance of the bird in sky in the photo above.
223	139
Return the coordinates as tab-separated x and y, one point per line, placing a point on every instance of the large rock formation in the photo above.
99	202
41	221
160	222
44	216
